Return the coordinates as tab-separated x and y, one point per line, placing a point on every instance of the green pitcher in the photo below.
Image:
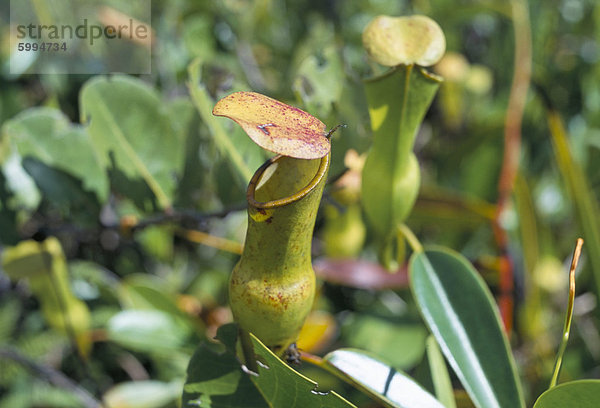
272	287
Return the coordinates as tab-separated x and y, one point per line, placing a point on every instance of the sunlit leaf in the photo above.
393	41
147	330
575	394
142	394
275	126
45	268
129	125
47	135
461	313
385	384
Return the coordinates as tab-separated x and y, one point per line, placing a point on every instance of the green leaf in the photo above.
377	379
580	193
319	82
64	192
224	141
439	374
47	135
384	338
45	267
128	123
216	380
284	387
397	102
146	292
142	394
460	311
574	394
147	330
8	216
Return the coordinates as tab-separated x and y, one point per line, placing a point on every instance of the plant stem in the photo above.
569	316
248	350
411	238
512	145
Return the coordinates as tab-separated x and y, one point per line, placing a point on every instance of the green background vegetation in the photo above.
145	191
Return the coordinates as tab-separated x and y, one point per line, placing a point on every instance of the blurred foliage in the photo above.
115	169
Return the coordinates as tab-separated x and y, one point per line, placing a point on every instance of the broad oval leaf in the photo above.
147	331
44	266
385	384
142	394
460	311
574	394
47	135
410	40
275	126
129	124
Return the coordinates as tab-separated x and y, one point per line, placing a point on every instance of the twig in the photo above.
212	241
569	315
182	215
51	375
512	145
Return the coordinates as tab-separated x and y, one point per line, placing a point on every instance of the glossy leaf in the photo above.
574	394
392	41
147	330
385	384
216	380
461	313
45	268
129	124
47	135
142	394
275	126
397	102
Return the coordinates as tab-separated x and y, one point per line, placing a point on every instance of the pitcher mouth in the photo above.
312	184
